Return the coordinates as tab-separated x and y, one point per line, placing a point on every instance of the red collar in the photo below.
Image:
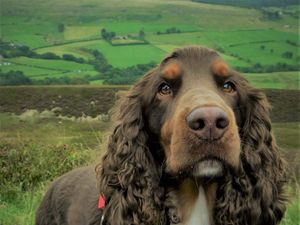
101	202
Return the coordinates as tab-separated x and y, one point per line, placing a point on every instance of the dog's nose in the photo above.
209	123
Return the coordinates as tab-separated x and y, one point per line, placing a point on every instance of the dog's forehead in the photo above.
195	61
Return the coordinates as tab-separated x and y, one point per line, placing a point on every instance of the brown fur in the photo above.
172	71
220	68
147	166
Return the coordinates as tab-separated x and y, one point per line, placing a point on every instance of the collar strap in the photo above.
101	202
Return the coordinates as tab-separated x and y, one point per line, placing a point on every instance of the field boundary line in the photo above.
39	67
66	43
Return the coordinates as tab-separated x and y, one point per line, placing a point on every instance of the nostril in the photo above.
197	125
201	124
222	123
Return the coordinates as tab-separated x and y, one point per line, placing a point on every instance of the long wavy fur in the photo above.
129	177
255	195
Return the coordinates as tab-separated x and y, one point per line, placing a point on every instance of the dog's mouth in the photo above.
209	167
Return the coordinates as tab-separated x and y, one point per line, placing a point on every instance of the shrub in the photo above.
47	55
70	57
61	27
14	78
26	165
287	55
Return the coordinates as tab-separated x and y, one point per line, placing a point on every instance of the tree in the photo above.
61	28
107	35
287	55
103	33
48	55
14	78
142	33
112	35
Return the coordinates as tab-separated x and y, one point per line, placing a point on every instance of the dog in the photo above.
192	145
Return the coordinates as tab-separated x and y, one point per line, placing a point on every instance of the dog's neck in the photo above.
194	202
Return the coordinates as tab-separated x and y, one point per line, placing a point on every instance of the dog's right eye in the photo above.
165	89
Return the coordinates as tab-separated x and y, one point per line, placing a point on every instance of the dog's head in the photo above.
193	109
193	112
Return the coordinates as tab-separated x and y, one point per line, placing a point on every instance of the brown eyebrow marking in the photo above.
172	71
220	68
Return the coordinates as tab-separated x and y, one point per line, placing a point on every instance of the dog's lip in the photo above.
209	167
192	169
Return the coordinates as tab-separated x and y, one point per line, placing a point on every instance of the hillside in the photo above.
251	3
250	40
92	101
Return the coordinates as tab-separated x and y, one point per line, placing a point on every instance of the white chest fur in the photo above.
200	214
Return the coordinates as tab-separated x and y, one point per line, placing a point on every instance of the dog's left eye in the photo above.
228	87
165	89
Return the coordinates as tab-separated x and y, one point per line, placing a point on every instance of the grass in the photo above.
51	64
42	149
35	23
29	71
243	43
128	55
79	138
292	216
97	82
22	213
41	68
133	27
73	49
270	55
78	73
81	32
127	42
277	80
31	32
44	131
118	56
287	135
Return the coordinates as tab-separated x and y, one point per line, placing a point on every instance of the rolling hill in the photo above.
250	40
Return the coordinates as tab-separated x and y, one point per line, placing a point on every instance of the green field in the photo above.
128	55
277	80
118	56
244	44
28	70
75	49
243	35
41	68
51	64
80	32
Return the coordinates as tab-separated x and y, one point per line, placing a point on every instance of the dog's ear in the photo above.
255	195
129	177
261	159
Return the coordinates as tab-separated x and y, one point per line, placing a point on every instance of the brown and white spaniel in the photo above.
192	145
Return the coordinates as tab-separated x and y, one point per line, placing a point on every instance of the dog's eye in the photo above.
165	89
228	87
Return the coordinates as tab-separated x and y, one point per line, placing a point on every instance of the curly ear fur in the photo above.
254	195
128	175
